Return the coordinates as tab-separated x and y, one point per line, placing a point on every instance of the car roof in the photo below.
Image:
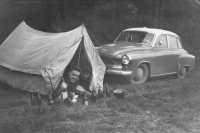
152	30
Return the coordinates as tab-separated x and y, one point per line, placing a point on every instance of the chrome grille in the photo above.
112	64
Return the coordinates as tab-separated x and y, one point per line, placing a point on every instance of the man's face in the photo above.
85	75
73	75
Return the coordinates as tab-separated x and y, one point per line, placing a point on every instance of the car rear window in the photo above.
179	43
172	42
163	40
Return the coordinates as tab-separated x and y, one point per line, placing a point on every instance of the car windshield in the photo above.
136	37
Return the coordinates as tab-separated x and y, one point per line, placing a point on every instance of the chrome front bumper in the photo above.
119	72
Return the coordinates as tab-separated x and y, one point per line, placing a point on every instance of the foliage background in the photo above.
104	19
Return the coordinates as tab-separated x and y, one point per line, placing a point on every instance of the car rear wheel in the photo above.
182	72
142	74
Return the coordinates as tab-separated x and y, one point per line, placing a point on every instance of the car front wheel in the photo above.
142	74
182	72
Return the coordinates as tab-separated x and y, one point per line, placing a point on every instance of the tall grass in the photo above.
162	105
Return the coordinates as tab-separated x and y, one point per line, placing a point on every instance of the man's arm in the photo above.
80	91
62	86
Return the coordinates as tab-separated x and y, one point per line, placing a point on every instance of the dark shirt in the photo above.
71	87
85	84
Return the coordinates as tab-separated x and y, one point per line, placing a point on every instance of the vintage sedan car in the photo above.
140	53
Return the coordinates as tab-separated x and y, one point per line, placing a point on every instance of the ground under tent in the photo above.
32	60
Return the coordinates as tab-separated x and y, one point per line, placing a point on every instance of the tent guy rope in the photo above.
117	75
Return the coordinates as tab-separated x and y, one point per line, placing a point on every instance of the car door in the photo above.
162	56
175	50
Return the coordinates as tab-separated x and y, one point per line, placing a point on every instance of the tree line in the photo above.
104	19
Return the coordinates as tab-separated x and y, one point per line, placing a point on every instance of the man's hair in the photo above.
76	68
87	69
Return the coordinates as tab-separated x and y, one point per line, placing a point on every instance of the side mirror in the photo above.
160	42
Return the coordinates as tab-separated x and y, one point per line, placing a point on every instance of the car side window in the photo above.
161	42
179	43
172	42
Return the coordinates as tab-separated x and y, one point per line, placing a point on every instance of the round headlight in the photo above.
125	60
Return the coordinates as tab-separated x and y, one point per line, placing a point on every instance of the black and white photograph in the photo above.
99	66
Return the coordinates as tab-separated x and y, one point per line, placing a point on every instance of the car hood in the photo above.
118	49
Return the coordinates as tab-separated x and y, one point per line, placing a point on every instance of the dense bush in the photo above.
104	19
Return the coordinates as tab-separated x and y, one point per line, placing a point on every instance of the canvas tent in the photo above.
32	60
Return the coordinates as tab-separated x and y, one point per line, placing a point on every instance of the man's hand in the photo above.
63	86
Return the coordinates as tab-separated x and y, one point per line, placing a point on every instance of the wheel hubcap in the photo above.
139	74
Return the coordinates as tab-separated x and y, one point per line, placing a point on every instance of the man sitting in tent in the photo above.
70	85
85	78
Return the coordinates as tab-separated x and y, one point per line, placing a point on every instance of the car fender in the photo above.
186	60
137	60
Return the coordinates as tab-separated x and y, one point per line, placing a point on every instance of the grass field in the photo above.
162	105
